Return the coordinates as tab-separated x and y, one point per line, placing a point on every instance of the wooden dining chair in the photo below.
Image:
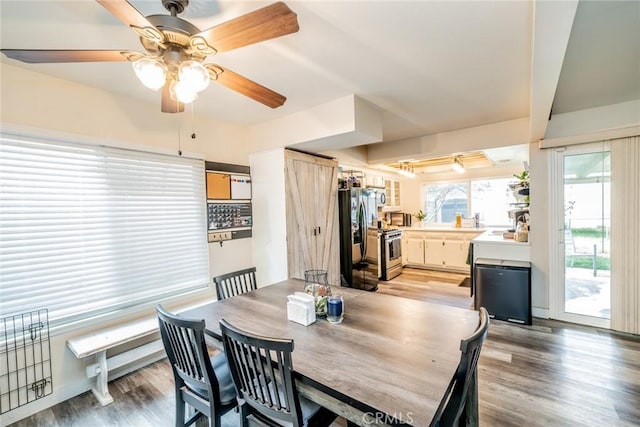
236	283
201	382
452	410
262	372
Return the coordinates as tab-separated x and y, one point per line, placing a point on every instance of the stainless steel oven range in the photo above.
390	254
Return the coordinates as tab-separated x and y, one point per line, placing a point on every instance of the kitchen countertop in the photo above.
495	236
444	229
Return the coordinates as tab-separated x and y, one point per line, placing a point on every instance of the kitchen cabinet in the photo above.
414	250
434	251
375	181
438	250
311	187
392	193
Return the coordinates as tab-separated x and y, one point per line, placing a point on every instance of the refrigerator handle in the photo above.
363	230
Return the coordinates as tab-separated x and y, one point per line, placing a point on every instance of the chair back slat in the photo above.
262	370
236	283
452	404
187	352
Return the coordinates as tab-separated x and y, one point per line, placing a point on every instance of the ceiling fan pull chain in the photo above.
179	135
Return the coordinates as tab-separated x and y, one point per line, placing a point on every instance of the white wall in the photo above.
502	134
269	216
592	120
47	107
539	171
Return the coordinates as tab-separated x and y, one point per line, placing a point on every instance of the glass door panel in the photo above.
586	196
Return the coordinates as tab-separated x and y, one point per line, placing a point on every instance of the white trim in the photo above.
30	132
556	238
541	313
605	135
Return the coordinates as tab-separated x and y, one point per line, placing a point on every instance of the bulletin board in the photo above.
229	210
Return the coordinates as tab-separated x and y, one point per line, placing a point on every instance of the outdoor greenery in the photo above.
588	232
586	261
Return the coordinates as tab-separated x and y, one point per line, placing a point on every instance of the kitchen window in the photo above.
88	230
491	198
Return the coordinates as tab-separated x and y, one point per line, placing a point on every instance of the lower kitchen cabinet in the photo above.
414	250
444	251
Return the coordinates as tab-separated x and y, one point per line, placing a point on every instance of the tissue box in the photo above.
301	308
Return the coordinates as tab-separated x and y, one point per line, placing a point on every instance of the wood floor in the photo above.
548	374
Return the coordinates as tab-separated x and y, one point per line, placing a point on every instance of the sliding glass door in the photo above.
582	187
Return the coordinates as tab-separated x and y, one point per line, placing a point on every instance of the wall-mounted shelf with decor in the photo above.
229	213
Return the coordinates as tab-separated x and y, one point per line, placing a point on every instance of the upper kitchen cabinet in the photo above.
294	199
392	191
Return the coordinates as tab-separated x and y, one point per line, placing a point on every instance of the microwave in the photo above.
399	219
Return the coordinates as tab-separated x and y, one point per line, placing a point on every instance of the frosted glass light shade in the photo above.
180	91
194	75
150	72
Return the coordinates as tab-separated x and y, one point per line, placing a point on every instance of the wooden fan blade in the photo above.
129	15
263	24
125	12
35	56
168	105
248	87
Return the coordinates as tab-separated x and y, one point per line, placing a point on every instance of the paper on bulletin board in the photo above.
240	187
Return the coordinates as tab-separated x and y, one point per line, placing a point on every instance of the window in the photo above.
444	200
491	198
86	230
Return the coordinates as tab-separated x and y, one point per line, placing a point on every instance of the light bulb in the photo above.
150	72
193	74
179	91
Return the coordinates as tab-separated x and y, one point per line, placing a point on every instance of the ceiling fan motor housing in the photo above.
175	6
175	30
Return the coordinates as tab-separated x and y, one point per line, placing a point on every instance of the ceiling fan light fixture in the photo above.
407	171
193	74
457	165
150	72
182	92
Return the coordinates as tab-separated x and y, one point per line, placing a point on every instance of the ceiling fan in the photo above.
175	51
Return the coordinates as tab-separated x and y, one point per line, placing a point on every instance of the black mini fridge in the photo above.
504	289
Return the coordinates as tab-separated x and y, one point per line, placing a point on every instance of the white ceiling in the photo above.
430	66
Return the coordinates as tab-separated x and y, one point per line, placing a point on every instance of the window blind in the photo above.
87	229
625	235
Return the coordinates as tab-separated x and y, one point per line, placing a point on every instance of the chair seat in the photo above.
310	411
227	389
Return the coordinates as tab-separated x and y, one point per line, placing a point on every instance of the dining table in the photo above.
389	362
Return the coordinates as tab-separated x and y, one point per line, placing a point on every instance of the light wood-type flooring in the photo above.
548	374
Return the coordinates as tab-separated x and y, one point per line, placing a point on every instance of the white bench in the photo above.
97	343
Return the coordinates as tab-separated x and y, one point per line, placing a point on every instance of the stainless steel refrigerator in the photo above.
359	238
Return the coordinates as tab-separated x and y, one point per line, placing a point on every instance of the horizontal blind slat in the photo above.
88	229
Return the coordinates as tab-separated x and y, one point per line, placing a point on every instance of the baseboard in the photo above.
69	391
542	313
58	395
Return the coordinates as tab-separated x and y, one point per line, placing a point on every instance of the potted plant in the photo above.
523	178
521	188
420	216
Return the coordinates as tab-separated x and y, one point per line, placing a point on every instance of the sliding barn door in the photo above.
312	215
